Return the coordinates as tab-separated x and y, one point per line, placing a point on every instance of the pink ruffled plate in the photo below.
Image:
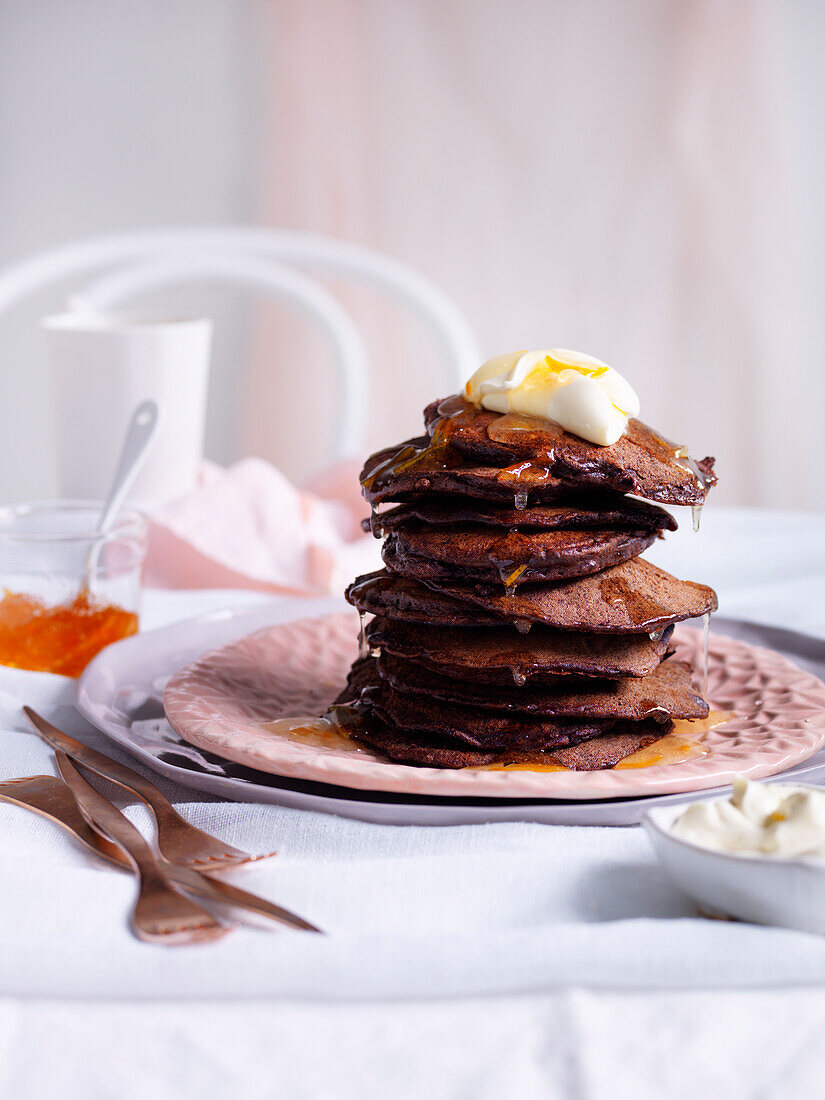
221	702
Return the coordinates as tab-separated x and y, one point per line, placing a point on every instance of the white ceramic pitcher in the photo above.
101	368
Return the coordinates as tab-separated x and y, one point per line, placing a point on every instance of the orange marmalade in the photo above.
61	639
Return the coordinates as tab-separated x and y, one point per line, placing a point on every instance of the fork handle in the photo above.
158	902
104	766
166	816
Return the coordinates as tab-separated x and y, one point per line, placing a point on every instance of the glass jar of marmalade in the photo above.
66	592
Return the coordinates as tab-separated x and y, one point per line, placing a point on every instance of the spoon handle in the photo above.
139	437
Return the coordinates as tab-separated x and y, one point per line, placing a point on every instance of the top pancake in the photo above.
416	467
640	462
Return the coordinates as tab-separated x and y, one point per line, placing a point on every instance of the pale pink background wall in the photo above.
610	175
641	179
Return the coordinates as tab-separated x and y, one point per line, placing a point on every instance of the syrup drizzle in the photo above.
362	638
523	470
641	609
523	626
511	574
334	731
684	742
706	651
410	456
326	732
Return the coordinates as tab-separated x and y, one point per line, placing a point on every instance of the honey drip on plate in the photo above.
329	732
684	742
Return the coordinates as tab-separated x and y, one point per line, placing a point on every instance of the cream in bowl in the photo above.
757	854
759	819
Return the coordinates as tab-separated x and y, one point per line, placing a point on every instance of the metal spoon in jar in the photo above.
140	435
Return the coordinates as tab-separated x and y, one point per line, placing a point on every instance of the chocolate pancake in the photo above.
666	691
640	462
503	655
630	598
600	510
488	556
384	593
457	724
481	728
598	754
416	467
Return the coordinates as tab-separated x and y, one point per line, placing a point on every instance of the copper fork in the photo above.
161	913
52	799
81	793
178	841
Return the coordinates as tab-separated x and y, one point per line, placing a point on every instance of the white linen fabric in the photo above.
523	911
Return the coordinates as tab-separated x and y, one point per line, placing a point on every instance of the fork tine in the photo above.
178	840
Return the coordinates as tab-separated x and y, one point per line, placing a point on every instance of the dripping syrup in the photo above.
511	579
683	742
705	651
410	456
363	648
317	732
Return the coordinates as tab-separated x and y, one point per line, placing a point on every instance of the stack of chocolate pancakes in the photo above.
515	622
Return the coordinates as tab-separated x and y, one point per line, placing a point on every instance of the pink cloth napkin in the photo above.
248	526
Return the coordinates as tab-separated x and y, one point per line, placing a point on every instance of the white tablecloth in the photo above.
499	960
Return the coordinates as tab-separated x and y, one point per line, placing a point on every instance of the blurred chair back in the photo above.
131	263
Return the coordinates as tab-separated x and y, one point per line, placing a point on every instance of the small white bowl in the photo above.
789	893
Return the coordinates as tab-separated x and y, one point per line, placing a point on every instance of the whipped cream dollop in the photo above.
759	819
580	393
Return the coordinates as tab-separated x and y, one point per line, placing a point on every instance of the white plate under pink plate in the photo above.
221	702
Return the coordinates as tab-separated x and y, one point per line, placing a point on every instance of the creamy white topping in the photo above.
580	393
759	819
